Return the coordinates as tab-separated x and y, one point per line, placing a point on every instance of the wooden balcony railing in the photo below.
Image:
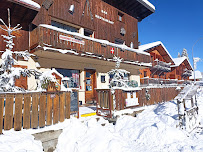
187	73
159	81
53	37
161	66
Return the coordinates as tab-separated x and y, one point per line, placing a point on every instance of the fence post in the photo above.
1	112
26	111
42	104
18	112
56	109
8	120
35	111
49	110
62	105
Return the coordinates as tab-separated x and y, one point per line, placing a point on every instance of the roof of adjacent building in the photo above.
198	75
180	60
164	52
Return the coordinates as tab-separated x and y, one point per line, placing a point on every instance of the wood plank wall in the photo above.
103	29
21	40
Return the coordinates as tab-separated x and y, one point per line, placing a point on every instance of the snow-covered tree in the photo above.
8	73
118	79
184	53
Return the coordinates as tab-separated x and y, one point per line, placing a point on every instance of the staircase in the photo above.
187	108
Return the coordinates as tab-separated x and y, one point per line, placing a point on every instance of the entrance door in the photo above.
90	84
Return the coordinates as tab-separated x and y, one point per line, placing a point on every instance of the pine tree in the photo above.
8	73
184	53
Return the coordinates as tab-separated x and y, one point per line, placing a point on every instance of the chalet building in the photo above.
161	63
79	38
165	69
182	69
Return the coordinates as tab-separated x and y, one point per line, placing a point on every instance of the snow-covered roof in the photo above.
53	70
198	75
180	60
148	46
149	4
121	46
29	3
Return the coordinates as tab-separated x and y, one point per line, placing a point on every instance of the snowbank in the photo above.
19	142
154	130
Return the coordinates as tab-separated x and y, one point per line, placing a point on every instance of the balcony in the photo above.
187	73
162	82
161	66
47	37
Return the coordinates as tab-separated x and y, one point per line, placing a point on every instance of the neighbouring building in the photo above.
79	39
182	69
164	69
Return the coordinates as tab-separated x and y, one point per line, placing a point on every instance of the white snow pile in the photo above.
154	130
19	142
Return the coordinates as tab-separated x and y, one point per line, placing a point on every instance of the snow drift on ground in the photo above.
13	141
153	130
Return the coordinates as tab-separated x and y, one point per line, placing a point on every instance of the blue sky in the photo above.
178	24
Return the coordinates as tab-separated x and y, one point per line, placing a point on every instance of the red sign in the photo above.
71	39
112	50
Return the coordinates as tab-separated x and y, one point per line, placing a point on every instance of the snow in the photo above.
149	4
198	75
19	142
155	129
105	42
180	60
86	110
148	46
29	3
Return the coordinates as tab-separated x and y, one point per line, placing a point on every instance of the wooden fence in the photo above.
33	110
105	104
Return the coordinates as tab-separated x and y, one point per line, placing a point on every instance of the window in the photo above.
73	75
88	33
145	73
64	26
103	79
120	17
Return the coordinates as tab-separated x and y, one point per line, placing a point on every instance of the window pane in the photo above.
88	75
73	76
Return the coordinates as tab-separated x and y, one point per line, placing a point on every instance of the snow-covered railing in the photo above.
161	66
188	108
146	81
187	73
56	39
35	110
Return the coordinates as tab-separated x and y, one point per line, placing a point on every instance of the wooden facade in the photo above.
103	19
158	57
180	72
86	30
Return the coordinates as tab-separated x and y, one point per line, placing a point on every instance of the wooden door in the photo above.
90	85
